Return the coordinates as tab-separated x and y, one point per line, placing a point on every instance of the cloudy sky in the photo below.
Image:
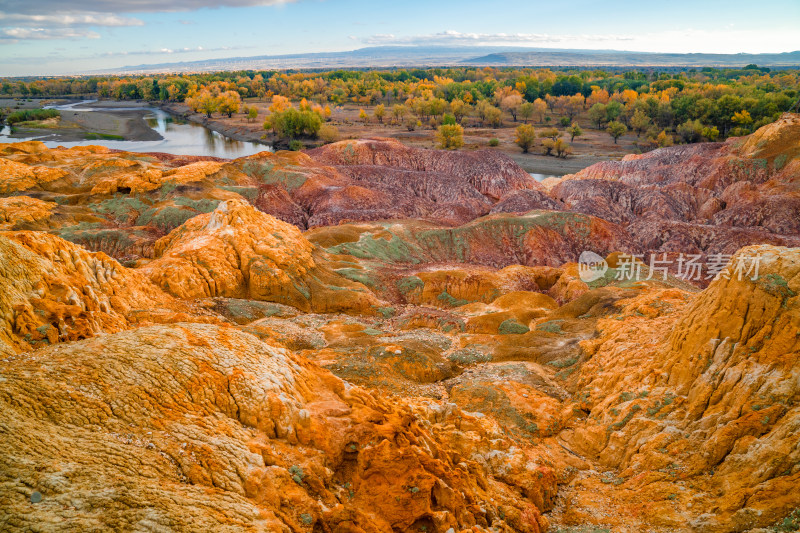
63	37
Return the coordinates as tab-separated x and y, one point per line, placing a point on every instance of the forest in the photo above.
681	106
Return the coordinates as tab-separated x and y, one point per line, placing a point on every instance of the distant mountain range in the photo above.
430	56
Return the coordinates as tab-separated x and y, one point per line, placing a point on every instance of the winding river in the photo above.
179	136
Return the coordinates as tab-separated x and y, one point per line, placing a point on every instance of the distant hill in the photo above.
427	56
621	58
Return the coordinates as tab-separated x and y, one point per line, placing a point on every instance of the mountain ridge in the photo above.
429	56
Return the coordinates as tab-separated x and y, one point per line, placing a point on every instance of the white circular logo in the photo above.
591	266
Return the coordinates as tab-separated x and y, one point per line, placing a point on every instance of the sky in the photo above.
51	37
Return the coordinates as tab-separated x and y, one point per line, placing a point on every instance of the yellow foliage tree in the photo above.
229	102
450	136
526	137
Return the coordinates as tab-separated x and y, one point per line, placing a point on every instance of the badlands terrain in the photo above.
367	337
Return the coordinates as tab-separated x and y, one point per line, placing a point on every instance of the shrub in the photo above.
494	141
293	123
512	327
552	326
790	523
31	114
328	133
295	145
562	148
550	133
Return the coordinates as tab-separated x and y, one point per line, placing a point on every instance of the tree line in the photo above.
687	106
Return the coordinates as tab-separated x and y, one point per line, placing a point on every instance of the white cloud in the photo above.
68	19
126	6
16	34
57	19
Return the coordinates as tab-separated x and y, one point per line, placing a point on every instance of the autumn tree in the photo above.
573	105
616	130
399	111
450	136
663	139
525	137
380	112
539	109
279	103
550	133
526	111
511	103
459	109
206	102
494	116
711	133
229	102
252	114
574	131
362	115
743	119
562	148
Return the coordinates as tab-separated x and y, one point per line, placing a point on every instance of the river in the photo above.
179	136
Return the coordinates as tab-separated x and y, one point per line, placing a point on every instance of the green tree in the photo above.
292	123
613	110
526	111
690	131
639	122
616	130
597	114
252	114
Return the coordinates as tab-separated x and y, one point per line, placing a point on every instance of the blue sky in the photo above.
59	37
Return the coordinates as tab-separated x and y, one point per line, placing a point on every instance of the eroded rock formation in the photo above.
192	360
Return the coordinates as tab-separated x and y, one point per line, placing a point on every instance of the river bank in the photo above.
237	132
124	121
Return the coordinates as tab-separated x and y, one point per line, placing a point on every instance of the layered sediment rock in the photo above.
450	371
238	252
743	191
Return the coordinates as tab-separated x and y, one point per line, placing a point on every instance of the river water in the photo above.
180	137
540	177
